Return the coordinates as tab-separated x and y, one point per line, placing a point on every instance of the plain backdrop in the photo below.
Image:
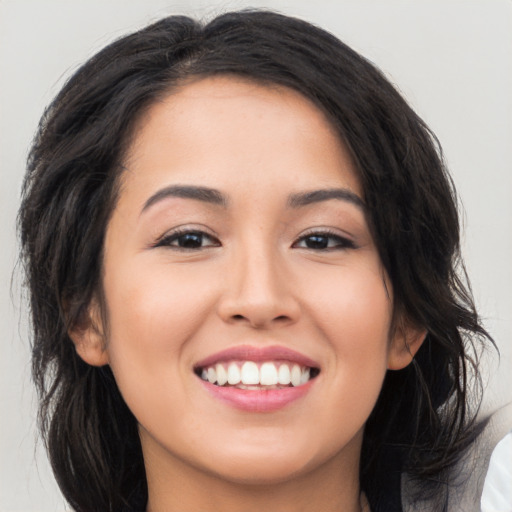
451	59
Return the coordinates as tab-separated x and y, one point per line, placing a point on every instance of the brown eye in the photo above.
317	242
188	240
324	241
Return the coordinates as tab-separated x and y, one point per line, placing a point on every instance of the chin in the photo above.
268	471
264	465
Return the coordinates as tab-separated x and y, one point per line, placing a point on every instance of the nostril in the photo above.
279	319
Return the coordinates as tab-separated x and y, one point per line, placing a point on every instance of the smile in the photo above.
257	379
251	375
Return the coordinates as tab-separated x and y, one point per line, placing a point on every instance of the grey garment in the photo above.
469	474
497	492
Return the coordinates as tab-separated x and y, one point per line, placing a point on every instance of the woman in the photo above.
241	246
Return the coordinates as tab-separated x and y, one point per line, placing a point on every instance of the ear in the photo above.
88	338
406	341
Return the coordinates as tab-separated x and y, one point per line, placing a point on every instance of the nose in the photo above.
258	291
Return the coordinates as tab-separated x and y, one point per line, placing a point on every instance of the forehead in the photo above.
227	127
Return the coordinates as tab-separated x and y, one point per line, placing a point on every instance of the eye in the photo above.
188	240
324	240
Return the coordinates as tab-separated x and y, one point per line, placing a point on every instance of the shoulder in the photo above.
497	491
469	475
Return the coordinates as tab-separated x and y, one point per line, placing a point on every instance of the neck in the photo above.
174	485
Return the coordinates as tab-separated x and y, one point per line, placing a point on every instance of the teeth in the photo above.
250	373
250	376
283	376
211	375
268	374
222	376
295	375
233	374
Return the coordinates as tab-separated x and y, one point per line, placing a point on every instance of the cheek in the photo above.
353	312
153	312
353	307
157	305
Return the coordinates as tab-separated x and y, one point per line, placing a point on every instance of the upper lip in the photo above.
256	354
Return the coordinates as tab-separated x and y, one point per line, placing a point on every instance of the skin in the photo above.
254	280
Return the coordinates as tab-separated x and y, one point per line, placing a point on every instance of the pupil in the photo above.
191	240
317	242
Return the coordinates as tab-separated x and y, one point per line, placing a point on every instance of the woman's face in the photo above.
239	248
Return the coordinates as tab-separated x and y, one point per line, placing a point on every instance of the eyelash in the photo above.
167	240
340	242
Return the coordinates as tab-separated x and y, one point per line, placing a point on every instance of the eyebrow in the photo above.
316	196
213	196
205	194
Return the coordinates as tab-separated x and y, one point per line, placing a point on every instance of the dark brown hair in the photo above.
422	421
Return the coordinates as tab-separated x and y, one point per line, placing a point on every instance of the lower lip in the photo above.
265	400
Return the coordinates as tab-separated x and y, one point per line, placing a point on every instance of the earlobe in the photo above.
405	343
88	338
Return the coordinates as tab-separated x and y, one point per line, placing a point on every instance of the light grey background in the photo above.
451	59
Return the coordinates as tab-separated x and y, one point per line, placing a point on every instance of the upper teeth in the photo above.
250	373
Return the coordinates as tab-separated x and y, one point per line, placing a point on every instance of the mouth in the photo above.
257	375
257	368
